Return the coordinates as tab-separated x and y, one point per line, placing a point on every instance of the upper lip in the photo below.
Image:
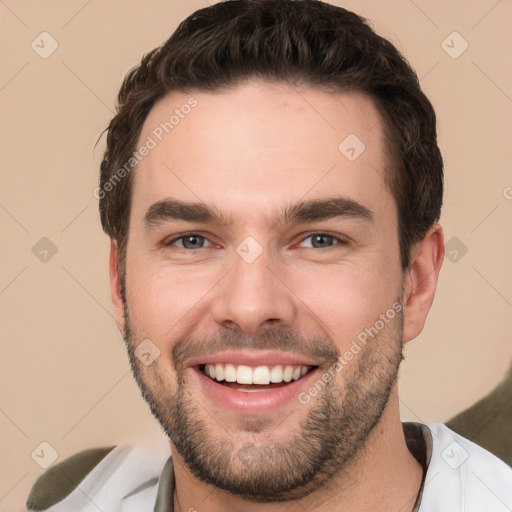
254	358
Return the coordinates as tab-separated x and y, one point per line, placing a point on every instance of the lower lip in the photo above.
253	403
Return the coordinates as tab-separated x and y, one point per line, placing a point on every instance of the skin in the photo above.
250	151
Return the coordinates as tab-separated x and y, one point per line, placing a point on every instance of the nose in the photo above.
253	297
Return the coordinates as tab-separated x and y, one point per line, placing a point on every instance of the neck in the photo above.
383	475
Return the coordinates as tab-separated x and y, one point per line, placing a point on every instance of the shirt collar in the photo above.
165	496
419	442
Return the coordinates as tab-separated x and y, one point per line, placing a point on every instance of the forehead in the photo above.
261	144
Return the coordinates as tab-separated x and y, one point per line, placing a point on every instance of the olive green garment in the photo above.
488	422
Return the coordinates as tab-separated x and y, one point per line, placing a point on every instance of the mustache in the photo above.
279	340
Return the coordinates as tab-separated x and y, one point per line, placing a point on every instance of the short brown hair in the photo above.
295	41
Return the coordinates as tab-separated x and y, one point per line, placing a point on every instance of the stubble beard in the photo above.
336	426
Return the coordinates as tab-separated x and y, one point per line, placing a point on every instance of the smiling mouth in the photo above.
254	378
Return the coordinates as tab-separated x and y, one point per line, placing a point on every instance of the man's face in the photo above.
274	279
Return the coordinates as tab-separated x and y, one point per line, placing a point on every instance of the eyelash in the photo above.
318	233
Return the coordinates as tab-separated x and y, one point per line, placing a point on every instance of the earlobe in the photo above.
421	281
115	285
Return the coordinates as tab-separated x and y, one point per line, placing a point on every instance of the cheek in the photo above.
346	298
163	302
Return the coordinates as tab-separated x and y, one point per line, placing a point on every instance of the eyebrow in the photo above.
301	212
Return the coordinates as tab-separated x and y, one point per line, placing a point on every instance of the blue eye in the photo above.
191	241
321	240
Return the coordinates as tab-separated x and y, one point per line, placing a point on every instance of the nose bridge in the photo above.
252	297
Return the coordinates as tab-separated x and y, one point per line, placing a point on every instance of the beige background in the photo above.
64	375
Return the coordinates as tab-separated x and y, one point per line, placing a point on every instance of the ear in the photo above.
115	285
421	281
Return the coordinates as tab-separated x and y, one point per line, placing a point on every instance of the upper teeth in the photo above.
258	375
